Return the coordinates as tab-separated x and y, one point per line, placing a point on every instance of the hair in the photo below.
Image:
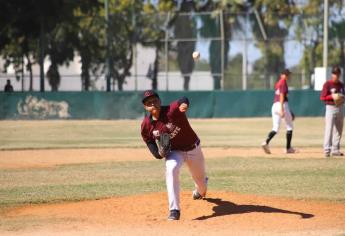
336	70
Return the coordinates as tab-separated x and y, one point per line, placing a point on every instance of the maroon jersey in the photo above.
328	88
280	88
171	121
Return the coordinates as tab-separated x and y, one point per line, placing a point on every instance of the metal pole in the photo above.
135	52
244	57
107	61
222	49
261	25
166	53
325	34
22	73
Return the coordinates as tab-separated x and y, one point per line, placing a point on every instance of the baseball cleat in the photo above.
174	215
290	150
266	148
196	195
327	155
337	154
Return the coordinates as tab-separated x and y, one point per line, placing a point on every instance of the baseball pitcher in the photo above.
169	136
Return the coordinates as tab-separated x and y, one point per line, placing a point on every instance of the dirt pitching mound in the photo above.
221	213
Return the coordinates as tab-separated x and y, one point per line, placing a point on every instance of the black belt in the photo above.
191	147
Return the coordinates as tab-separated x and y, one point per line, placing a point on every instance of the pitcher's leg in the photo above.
337	131
276	117
329	123
196	165
289	128
173	164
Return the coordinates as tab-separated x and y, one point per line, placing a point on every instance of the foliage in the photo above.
309	31
60	30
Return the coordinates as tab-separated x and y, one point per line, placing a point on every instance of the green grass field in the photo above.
126	133
307	178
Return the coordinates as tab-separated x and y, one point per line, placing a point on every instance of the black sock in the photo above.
288	139
270	136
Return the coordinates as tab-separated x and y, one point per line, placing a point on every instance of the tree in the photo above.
19	34
88	39
309	31
338	35
155	22
125	20
33	30
276	20
212	27
185	28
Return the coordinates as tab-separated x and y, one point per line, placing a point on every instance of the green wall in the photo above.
127	105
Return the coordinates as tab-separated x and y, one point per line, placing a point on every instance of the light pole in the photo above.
325	34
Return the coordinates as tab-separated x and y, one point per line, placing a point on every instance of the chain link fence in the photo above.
242	51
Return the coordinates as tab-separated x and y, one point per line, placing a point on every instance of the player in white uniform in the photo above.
185	146
281	110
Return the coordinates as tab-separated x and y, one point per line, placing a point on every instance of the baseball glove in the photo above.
164	145
338	99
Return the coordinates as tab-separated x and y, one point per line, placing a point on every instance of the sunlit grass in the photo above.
126	133
300	179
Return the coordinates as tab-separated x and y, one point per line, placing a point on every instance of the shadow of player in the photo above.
223	208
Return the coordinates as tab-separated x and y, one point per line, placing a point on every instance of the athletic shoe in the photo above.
327	155
174	215
290	150
196	195
337	154
266	148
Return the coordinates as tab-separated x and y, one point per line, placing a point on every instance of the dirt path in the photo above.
52	157
222	213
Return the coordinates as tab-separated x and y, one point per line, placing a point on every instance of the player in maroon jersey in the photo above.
185	146
334	115
281	110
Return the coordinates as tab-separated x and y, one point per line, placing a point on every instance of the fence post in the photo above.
222	48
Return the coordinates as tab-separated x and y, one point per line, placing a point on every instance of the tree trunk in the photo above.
186	82
29	67
53	76
155	70
85	75
120	83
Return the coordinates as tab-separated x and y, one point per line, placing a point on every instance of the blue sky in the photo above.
293	51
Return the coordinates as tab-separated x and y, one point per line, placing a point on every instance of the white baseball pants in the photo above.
277	119
196	164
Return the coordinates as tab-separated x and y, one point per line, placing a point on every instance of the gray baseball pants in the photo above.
334	120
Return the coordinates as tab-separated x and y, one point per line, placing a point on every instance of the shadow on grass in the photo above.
223	208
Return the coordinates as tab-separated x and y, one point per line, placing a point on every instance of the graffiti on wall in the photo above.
36	108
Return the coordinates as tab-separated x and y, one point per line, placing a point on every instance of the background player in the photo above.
334	115
185	146
281	110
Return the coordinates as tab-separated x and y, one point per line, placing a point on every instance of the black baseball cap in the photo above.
286	72
336	70
149	93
